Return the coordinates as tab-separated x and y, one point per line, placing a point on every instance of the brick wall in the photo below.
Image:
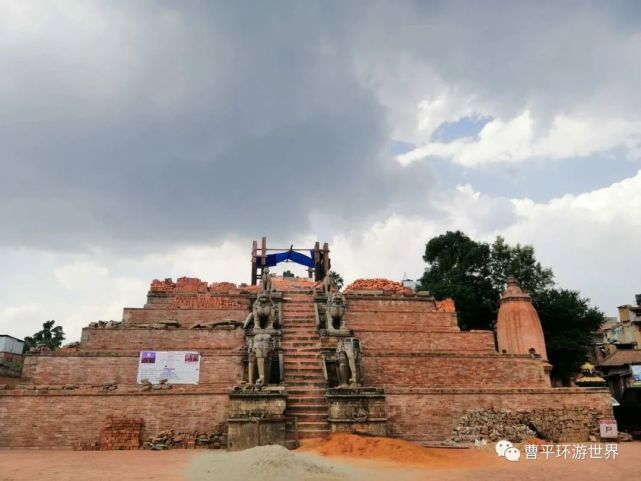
128	339
61	420
223	368
407	341
430	415
187	317
11	357
451	370
408	314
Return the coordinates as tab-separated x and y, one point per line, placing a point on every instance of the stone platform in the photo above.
432	374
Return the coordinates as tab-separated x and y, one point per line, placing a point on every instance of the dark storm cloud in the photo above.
172	123
190	121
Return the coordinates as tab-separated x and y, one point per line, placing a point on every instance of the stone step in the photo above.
308	371
306	403
305	383
310	375
312	425
308	418
297	347
296	369
307	409
302	390
302	401
293	356
316	434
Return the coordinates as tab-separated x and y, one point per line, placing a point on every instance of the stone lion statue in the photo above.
264	314
336	307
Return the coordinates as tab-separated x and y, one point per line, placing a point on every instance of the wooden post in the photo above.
326	263
254	266
316	260
263	260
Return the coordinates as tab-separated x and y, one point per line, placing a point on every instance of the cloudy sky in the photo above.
149	139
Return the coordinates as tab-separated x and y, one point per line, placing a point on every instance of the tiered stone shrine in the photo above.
369	360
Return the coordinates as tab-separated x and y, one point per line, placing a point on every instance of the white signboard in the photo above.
177	367
608	428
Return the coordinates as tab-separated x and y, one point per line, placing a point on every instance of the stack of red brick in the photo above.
386	285
121	433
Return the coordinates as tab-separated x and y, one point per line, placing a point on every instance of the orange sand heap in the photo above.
395	450
378	284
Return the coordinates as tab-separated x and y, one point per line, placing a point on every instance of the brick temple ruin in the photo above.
292	358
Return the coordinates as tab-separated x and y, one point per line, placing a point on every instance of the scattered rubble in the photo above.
109	386
555	425
105	324
491	426
221	325
216	439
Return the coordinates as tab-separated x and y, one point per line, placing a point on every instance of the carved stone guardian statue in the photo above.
266	282
264	314
336	307
259	350
348	353
328	284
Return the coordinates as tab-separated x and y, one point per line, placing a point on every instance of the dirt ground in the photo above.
310	464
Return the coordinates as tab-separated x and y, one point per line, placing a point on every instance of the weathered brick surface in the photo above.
432	373
63	420
120	367
431	415
128	339
452	370
121	433
187	317
409	314
404	341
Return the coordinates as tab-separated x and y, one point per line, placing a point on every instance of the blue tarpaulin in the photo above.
294	256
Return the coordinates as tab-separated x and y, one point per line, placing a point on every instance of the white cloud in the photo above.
590	240
516	140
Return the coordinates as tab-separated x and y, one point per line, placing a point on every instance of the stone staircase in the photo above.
304	379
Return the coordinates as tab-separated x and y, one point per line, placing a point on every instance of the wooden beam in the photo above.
254	268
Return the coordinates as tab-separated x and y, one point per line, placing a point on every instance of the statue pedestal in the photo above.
336	332
357	410
256	417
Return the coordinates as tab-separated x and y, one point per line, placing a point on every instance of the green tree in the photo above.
459	267
569	325
520	262
338	280
50	337
474	274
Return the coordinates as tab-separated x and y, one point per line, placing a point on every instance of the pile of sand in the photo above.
264	463
394	450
